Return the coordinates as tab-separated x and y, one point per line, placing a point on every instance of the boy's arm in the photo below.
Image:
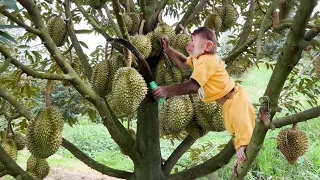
178	58
188	87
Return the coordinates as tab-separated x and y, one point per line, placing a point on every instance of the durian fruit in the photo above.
208	115
142	43
316	65
128	91
292	143
230	15
180	43
239	66
9	146
37	167
213	21
128	22
20	141
96	4
195	130
44	133
160	73
174	115
135	18
58	30
163	29
100	77
168	79
155	43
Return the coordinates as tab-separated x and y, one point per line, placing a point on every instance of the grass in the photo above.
96	142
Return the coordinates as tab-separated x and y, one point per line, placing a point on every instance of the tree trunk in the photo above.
148	142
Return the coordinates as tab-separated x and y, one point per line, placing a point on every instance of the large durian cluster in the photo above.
189	113
57	30
292	143
44	133
223	19
132	21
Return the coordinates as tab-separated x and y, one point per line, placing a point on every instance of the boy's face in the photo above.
196	46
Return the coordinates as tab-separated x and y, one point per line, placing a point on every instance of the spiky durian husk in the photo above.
213	21
135	17
155	43
230	16
239	66
168	79
58	30
38	167
174	115
95	4
44	133
20	141
180	43
100	77
195	130
128	22
292	144
164	29
10	147
128	91
142	43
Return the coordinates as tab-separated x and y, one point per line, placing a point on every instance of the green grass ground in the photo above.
95	141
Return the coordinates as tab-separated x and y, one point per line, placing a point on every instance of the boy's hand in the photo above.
159	92
165	43
241	156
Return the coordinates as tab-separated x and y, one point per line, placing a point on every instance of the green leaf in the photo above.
11	4
84	31
7	36
9	26
83	44
28	90
4	66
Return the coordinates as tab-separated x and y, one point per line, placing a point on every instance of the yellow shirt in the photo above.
211	75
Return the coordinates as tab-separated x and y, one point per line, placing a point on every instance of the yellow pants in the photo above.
239	117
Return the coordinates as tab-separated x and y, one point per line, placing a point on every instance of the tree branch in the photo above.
12	167
14	102
196	11
176	155
94	164
83	58
3	173
161	5
213	164
30	71
119	15
313	32
113	24
186	15
148	9
247	25
16	20
298	117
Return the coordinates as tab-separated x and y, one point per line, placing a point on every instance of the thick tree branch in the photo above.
288	59
196	11
247	25
16	20
148	9
213	164
115	27
12	167
14	102
176	155
125	4
83	58
94	164
298	117
186	15
30	71
313	32
119	15
116	130
3	173
161	5
264	25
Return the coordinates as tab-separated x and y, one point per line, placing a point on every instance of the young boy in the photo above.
212	82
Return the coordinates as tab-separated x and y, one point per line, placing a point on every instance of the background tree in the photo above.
24	67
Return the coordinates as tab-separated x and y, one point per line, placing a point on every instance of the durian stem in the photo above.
294	126
128	6
183	29
128	121
19	78
213	9
106	51
128	56
141	26
160	16
70	57
47	93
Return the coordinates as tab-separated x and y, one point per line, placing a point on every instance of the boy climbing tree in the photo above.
212	83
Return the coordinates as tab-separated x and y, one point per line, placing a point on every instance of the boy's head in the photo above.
203	41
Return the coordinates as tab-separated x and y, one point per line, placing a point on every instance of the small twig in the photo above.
294	126
47	93
18	84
